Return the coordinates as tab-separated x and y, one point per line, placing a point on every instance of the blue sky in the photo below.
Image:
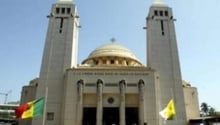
24	24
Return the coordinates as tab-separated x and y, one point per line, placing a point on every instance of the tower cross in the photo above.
113	40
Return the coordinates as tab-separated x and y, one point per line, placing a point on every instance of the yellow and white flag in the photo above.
169	111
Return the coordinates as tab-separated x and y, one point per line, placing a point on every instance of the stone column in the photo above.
79	115
141	102
122	84
99	109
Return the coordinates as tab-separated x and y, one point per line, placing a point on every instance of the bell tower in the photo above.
60	53
162	55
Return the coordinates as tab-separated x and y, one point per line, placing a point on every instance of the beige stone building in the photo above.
191	101
111	86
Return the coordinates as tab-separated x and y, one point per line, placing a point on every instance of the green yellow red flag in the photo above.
30	109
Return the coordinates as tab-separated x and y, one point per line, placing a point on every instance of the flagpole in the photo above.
45	106
165	121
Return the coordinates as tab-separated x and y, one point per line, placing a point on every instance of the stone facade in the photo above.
119	88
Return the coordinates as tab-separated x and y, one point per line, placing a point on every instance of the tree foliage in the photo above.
207	110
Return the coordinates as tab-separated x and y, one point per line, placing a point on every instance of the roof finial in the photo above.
113	40
159	2
65	0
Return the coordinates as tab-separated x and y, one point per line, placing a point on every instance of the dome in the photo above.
112	54
112	49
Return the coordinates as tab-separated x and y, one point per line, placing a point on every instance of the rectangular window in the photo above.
155	12
112	61
57	10
104	61
50	116
68	10
63	11
161	13
166	13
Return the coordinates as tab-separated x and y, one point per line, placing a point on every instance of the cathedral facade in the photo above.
111	86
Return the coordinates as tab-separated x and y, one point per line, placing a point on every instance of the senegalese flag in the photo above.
169	111
30	109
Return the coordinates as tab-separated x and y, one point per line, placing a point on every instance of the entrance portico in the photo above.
115	111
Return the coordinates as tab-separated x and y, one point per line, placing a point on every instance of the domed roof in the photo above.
111	50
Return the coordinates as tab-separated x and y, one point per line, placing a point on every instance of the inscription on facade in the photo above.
111	73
